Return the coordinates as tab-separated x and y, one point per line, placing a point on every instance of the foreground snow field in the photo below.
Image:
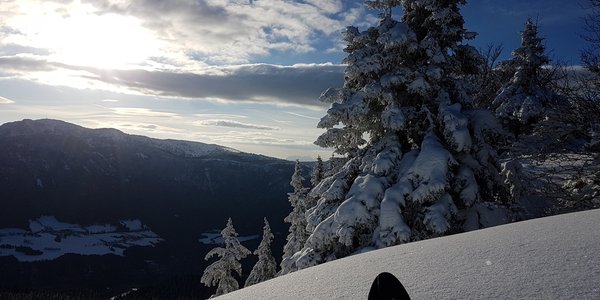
549	258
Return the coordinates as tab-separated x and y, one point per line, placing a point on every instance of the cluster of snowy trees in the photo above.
425	154
421	159
430	134
554	115
221	272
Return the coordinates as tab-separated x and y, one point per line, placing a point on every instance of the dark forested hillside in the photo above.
177	189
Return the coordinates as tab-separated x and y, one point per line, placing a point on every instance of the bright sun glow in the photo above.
106	41
84	38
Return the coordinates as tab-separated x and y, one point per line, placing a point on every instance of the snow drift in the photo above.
549	258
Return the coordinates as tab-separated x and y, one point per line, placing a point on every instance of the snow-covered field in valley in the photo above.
549	258
215	238
48	239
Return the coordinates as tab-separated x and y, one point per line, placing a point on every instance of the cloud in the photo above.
254	138
162	129
225	116
235	124
23	63
145	112
236	31
140	126
10	49
5	100
193	31
202	45
302	116
299	84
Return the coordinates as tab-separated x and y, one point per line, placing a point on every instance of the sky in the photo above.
245	74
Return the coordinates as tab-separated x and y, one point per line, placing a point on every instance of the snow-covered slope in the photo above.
550	258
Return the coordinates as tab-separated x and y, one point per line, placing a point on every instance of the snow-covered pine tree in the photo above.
419	161
317	173
264	269
220	272
297	231
524	101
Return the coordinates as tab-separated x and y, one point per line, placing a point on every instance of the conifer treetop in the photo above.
317	173
265	267
219	273
297	178
530	57
524	100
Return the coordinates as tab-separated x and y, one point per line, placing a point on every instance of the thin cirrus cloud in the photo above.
256	138
4	100
227	116
302	116
142	112
234	124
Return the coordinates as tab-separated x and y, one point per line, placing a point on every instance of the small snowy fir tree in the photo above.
264	269
317	174
219	273
297	231
524	100
419	160
512	171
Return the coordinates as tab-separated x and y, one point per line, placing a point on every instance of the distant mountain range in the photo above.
177	189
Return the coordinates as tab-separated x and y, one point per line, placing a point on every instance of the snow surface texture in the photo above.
550	258
48	239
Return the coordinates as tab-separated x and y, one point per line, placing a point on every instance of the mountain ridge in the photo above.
59	127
